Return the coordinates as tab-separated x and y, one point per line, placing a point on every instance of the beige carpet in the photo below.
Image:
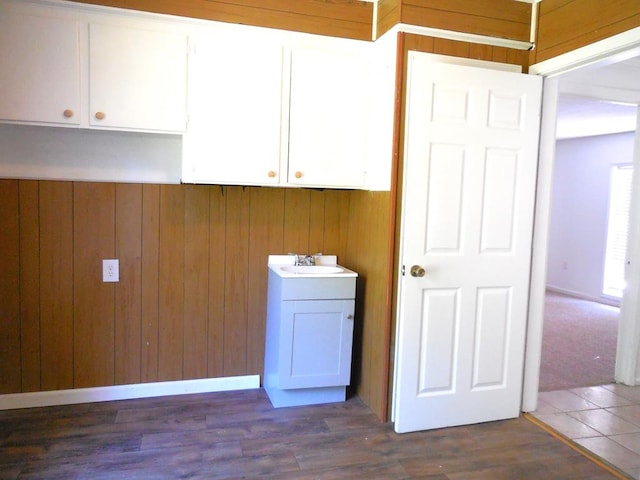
579	343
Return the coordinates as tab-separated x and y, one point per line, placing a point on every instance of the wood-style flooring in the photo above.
235	435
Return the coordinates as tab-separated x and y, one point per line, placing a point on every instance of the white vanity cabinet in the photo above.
137	78
329	115
40	69
235	133
309	337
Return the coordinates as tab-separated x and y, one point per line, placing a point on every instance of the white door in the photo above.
470	176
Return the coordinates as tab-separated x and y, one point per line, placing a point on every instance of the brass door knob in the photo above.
100	115
299	174
417	271
68	113
271	174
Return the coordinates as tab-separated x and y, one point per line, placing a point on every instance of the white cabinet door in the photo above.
137	78
328	117
39	69
235	114
315	343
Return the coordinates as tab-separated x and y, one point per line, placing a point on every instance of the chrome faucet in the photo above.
304	260
298	259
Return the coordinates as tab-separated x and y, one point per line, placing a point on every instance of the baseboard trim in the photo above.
127	392
582	296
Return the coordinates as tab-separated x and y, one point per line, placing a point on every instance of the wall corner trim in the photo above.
127	392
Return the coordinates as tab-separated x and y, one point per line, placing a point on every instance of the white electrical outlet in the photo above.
111	270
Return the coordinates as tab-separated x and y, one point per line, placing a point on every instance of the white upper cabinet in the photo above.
328	121
137	78
81	68
40	69
253	106
286	112
235	132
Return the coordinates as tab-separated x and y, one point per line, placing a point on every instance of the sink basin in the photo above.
326	267
311	269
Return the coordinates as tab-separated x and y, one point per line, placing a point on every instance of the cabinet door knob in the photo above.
271	174
68	113
299	174
350	316
100	115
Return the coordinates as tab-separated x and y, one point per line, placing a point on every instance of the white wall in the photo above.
580	198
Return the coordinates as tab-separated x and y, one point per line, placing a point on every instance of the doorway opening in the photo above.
586	252
583	403
595	134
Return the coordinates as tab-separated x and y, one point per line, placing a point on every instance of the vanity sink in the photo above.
309	331
312	269
326	266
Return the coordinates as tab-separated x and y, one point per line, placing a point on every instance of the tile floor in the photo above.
605	420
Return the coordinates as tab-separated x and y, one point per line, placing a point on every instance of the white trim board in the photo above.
127	392
464	37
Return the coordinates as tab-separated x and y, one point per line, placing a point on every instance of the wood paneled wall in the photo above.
565	25
496	18
338	18
369	253
191	300
351	18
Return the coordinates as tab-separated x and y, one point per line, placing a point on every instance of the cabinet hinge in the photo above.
403	270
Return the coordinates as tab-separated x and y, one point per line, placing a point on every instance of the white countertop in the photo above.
281	265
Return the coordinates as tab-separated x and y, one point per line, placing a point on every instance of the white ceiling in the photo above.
599	100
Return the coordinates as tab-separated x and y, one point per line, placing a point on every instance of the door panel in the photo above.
470	170
491	341
497	204
440	314
444	225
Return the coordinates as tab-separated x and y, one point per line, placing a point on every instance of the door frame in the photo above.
610	50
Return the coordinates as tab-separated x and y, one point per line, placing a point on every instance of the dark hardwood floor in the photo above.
236	435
